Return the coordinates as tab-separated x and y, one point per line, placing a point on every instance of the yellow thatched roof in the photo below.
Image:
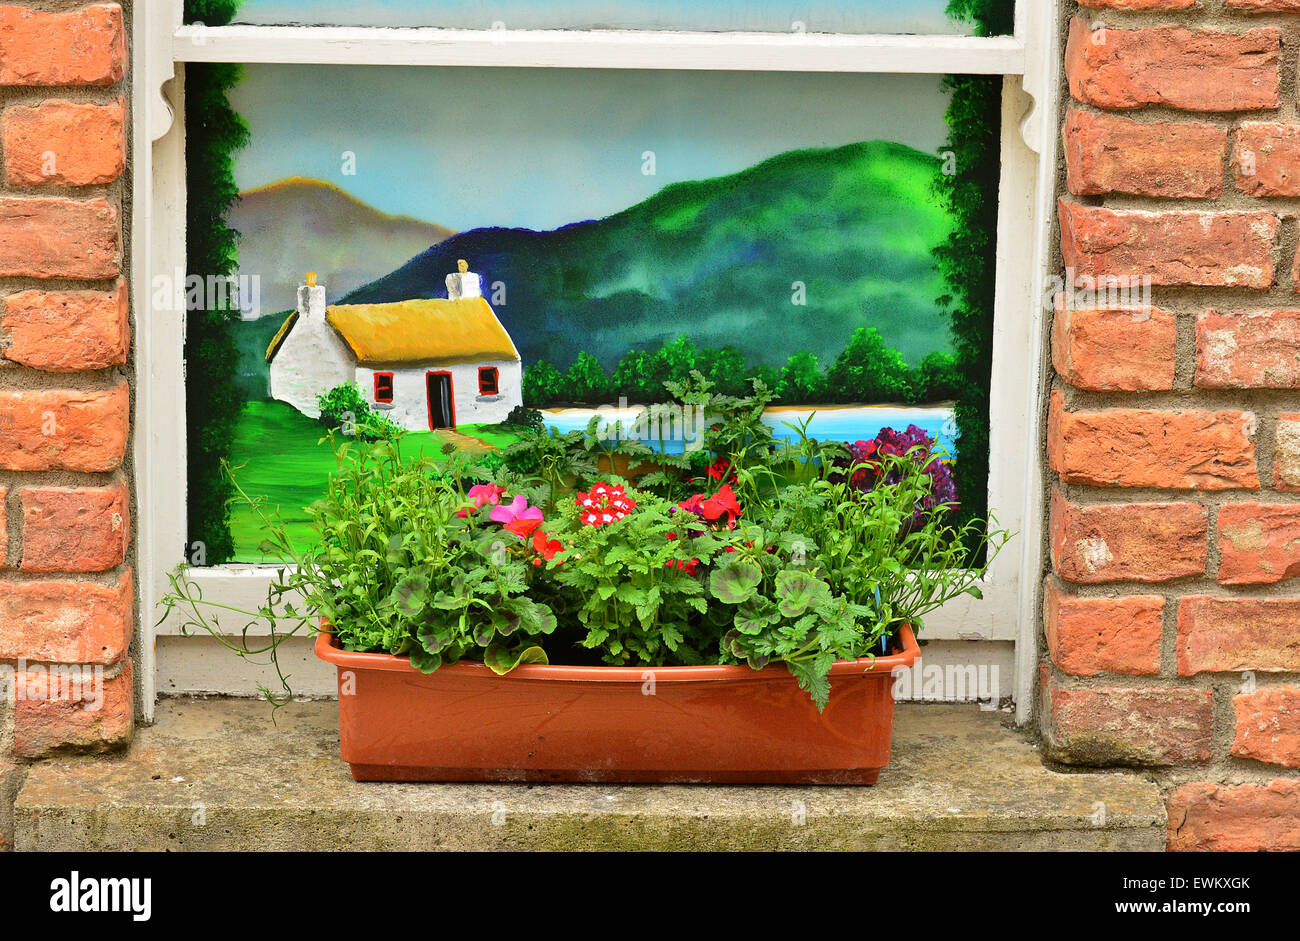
281	335
423	331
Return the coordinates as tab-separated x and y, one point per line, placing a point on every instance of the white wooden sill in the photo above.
601	49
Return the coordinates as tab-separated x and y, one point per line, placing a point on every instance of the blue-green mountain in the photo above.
849	230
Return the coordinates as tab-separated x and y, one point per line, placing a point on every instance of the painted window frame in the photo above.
392	391
1028	61
496	381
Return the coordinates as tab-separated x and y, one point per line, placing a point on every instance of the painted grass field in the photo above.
284	459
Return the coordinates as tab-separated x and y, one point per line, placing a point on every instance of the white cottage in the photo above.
426	364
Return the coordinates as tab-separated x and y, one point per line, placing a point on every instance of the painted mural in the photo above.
824	16
453	248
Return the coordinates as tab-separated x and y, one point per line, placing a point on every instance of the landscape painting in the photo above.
460	247
822	16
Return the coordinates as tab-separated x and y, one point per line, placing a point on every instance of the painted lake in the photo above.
829	423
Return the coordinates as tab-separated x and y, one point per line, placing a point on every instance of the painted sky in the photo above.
468	148
828	16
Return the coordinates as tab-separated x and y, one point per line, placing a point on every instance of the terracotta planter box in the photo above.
719	724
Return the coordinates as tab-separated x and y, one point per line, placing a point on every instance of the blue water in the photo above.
828	424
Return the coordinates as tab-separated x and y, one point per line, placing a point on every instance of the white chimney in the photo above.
465	284
311	299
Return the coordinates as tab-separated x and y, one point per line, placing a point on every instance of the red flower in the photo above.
690	568
720	469
723	503
548	549
604	504
523	528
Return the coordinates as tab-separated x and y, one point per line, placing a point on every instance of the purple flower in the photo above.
943	492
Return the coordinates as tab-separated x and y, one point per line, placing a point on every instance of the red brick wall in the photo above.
1172	610
66	585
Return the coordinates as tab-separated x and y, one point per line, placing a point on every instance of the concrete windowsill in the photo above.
218	775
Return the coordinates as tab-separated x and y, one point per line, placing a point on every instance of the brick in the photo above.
67	331
66	622
1233	635
4	535
1286	454
1258	543
1173	450
100	719
75	529
1127	349
1268	726
1265	6
1266	159
1145	542
1086	636
1206	249
1193	70
1141	4
64	429
11	777
59	238
64	143
1148	727
1109	154
1254	349
1248	818
81	47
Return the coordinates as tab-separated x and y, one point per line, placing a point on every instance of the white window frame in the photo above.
1028	60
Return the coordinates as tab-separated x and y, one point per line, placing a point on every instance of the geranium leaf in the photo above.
735	582
502	660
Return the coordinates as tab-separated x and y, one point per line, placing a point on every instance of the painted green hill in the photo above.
718	261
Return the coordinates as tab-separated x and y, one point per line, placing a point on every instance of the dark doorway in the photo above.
442	411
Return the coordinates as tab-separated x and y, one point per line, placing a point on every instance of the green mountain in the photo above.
721	261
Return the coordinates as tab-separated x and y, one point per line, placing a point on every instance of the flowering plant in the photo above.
801	554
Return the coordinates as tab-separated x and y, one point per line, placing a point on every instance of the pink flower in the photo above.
482	495
520	518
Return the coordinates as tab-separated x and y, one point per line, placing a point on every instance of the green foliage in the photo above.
867	370
543	385
211	12
345	408
521	416
801	381
586	380
826	572
395	568
990	17
794	565
622	584
213	400
967	259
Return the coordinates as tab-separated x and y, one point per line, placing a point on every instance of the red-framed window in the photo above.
384	388
489	380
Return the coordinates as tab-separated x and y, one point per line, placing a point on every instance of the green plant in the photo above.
829	571
443	559
404	563
345	408
631	584
524	417
967	260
